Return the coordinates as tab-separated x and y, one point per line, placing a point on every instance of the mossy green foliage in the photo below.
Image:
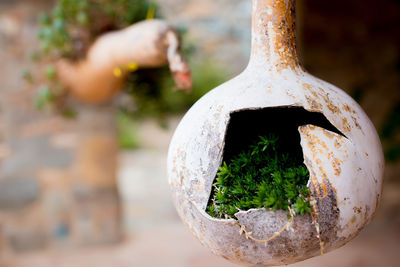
261	176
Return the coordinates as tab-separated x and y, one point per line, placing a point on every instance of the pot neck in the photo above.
274	35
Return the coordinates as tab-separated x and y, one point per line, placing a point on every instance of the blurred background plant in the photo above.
68	30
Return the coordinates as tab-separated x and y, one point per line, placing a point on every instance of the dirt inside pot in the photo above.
262	163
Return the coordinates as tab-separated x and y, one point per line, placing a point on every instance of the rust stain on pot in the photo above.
357	210
329	134
282	31
318	98
309	88
327	213
318	148
336	166
325	189
314	98
313	104
346	125
285	28
348	109
337	144
334	109
329	103
358	126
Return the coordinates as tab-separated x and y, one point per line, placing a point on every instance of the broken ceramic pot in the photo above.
339	144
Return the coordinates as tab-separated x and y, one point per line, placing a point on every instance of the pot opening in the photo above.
262	164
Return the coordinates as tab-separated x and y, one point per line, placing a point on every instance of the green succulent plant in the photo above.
261	176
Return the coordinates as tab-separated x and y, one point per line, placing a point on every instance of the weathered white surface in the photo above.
346	172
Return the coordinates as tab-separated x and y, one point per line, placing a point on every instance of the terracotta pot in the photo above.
340	146
146	44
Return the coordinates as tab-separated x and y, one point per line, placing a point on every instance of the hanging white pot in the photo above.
340	146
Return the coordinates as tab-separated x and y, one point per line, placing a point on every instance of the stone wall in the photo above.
58	181
58	185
